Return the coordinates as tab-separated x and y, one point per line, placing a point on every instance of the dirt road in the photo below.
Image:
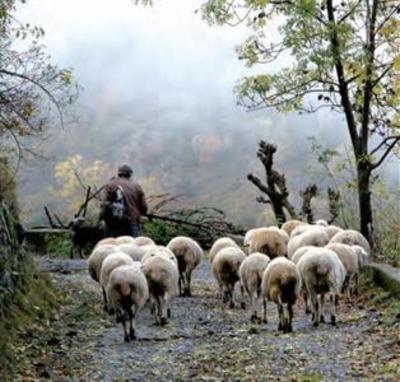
206	341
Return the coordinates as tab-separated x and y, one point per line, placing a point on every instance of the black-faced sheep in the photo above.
251	272
281	284
188	253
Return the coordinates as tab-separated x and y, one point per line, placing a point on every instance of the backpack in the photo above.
115	210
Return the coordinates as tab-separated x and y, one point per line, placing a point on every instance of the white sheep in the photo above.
269	241
248	235
127	292
162	278
312	236
124	240
107	240
133	250
251	272
322	273
96	258
281	284
352	237
306	228
158	250
112	261
352	258
188	253
225	268
219	244
290	225
332	230
322	223
143	240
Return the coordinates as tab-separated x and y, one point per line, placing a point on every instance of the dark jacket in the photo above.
133	194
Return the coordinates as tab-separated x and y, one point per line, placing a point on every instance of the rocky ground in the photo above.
206	341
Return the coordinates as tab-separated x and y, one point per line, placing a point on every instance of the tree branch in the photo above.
385	154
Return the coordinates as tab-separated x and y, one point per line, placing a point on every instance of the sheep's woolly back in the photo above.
161	274
107	240
159	250
251	271
124	240
226	264
111	262
143	240
313	236
220	244
133	250
96	258
321	270
300	253
290	225
187	251
281	281
127	285
332	230
306	228
269	241
248	236
352	237
347	256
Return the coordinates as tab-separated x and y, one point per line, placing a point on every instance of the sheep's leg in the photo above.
281	325
242	304
321	307
307	307
125	327
253	302
349	289
290	315
168	309
187	288
131	315
356	280
104	299
180	282
190	283
231	290
162	310
315	309
333	309
265	310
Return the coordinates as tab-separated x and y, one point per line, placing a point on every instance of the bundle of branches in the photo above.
203	224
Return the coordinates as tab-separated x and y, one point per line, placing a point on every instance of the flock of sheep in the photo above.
313	260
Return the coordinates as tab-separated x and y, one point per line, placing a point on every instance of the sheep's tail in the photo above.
125	289
288	289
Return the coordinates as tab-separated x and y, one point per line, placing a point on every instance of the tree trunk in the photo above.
364	199
277	207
